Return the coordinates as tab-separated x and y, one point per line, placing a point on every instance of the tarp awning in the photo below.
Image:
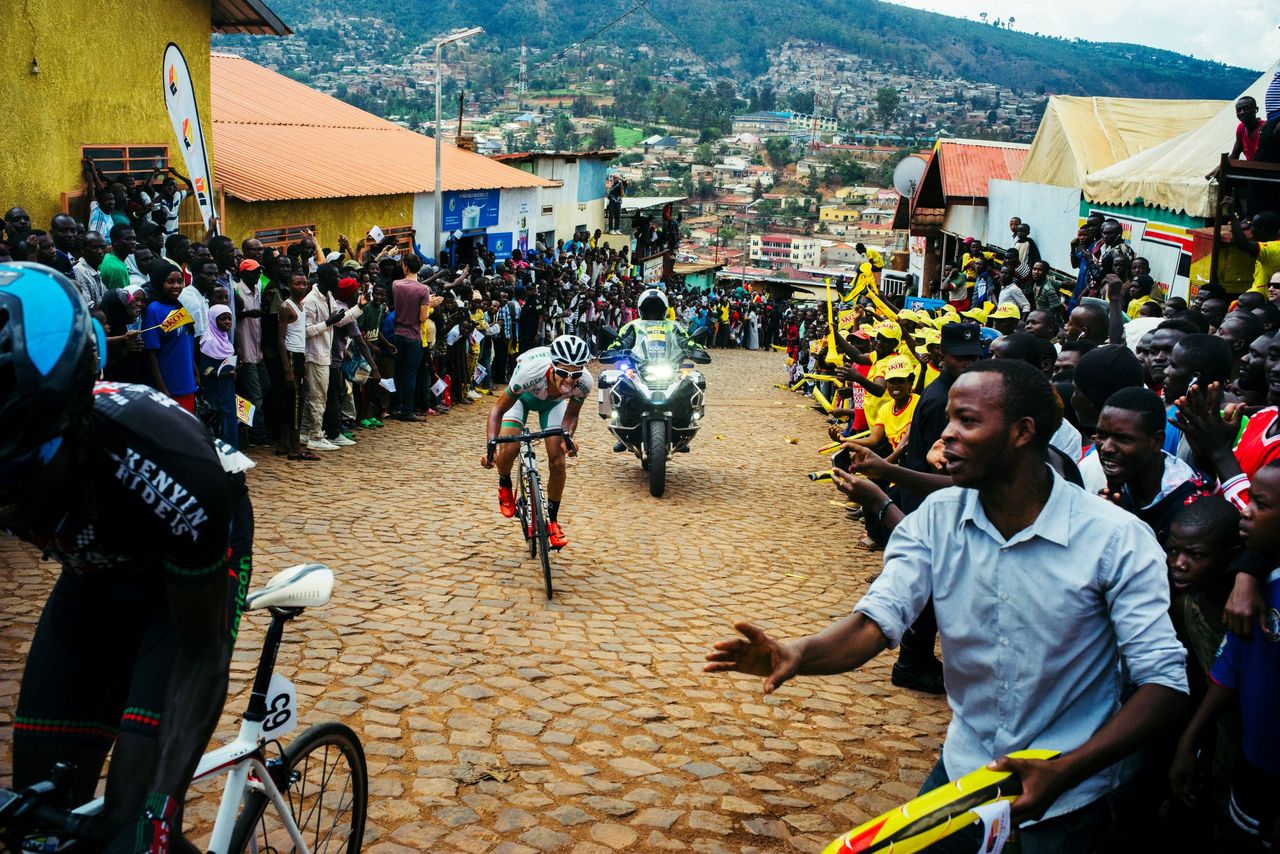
640	203
1171	175
1079	135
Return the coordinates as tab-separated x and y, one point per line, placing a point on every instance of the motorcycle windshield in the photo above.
657	346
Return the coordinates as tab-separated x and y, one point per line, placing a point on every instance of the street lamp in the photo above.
746	239
439	197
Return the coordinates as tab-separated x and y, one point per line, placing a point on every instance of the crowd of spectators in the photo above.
1169	411
301	347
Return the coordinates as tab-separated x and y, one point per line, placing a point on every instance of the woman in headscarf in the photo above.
170	355
125	360
218	374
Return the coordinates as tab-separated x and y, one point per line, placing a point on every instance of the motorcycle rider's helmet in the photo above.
652	305
51	352
570	350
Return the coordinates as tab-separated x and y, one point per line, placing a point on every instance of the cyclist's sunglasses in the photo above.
568	375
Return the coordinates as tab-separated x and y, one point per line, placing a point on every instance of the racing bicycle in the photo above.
531	504
313	798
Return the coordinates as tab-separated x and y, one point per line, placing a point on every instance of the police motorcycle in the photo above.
651	399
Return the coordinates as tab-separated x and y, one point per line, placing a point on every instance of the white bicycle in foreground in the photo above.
314	798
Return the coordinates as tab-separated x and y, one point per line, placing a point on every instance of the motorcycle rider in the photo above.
552	381
653	307
654	318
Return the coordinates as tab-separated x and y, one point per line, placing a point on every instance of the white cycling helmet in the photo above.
570	350
646	304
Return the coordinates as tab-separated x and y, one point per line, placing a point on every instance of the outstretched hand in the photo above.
757	654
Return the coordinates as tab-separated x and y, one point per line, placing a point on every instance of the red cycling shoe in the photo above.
555	535
506	501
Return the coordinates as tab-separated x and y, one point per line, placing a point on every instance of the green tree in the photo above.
778	149
703	155
801	102
887	101
601	137
563	137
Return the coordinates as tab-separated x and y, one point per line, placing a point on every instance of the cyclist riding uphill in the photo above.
553	382
152	526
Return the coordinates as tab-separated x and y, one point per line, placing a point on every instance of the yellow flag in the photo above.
177	317
833	353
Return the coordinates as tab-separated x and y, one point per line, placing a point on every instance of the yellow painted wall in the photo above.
352	217
99	83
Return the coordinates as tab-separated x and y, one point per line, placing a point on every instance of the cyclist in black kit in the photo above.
151	522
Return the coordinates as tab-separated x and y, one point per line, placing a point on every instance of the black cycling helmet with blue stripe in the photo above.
49	360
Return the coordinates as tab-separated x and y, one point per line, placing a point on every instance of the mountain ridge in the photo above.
733	36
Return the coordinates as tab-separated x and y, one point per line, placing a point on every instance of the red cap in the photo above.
249	264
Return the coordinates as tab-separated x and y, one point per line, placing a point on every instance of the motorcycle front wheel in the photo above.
656	453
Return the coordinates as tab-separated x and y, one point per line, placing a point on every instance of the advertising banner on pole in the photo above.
180	100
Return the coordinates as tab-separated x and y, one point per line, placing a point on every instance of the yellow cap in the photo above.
927	335
975	314
895	367
1006	311
889	330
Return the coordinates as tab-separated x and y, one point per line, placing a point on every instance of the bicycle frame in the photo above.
245	754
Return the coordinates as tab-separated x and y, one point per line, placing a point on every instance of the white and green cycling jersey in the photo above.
533	386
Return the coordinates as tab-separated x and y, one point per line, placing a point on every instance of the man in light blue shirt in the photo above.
1041	592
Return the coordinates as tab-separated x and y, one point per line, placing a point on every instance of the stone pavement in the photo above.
496	721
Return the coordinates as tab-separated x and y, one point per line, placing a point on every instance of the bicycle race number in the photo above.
282	707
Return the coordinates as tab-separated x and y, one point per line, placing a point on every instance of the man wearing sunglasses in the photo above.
553	382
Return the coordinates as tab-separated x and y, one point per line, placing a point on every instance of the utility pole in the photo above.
439	196
522	88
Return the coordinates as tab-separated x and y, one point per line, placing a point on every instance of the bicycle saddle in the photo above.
302	586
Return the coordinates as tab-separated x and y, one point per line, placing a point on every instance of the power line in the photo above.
640	4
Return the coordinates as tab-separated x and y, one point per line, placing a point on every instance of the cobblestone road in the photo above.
590	714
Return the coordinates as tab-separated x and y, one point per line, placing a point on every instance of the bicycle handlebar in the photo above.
531	437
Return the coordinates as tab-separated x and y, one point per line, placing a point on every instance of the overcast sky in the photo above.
1243	32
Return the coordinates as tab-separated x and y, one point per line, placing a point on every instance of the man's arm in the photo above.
183	178
1238	238
843	646
868	462
1150	710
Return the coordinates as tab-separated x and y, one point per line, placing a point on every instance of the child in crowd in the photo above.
171	354
1248	668
217	364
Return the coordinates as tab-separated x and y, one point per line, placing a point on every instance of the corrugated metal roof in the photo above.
246	16
967	165
274	138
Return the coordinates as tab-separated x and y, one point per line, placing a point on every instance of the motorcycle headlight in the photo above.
659	374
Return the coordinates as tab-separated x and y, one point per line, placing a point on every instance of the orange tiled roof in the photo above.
967	165
274	138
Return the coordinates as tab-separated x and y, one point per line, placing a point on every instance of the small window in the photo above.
134	161
548	210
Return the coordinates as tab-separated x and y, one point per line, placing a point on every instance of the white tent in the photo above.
1079	135
1171	175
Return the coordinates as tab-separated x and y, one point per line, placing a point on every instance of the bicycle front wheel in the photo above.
539	513
522	512
326	785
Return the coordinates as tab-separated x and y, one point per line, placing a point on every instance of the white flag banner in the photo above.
180	100
438	387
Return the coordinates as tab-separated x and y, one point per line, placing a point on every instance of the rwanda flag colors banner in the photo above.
180	99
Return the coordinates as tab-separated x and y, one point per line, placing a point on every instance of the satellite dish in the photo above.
907	175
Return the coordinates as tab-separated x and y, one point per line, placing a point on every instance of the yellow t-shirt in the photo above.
1266	266
871	405
1136	305
671	313
896	424
876	259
